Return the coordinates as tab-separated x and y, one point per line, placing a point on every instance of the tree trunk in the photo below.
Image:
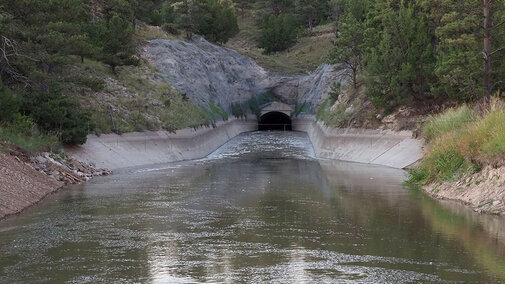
355	78
95	14
487	54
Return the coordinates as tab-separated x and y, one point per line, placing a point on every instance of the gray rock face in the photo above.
208	73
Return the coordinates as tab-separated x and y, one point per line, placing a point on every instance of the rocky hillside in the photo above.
210	74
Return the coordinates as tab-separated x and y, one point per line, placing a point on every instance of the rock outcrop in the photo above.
208	73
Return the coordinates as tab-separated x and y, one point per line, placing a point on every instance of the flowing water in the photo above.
260	209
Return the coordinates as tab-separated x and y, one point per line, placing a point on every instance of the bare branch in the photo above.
8	49
498	50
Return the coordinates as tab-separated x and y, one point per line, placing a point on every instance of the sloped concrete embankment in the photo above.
380	147
114	151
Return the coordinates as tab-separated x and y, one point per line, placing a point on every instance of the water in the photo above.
260	209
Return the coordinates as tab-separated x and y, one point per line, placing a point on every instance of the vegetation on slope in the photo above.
261	21
426	53
461	143
71	67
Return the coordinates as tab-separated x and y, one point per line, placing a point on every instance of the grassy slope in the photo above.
460	143
309	52
138	98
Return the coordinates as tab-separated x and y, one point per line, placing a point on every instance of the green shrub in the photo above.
217	113
278	33
9	104
461	142
56	113
330	117
217	21
170	28
238	111
335	91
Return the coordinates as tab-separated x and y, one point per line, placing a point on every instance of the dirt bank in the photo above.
25	180
21	185
484	192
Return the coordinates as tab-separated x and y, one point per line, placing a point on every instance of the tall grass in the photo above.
462	142
451	120
32	143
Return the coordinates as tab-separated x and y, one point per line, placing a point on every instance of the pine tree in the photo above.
399	59
9	104
348	50
278	33
312	12
459	66
118	48
217	21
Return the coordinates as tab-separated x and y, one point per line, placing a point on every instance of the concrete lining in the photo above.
378	147
114	151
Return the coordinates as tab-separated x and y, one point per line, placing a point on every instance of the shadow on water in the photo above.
260	209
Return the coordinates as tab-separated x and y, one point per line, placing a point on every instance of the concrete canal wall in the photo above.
114	151
380	147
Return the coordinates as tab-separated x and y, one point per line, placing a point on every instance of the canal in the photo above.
260	209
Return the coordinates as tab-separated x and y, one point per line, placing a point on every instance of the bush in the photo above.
461	143
217	21
56	113
278	33
237	110
170	28
9	104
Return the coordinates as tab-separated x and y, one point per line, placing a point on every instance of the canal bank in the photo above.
112	151
260	209
395	149
379	147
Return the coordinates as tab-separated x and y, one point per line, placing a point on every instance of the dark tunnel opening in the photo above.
275	121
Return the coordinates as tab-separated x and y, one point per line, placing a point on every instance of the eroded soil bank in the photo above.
21	185
484	192
24	180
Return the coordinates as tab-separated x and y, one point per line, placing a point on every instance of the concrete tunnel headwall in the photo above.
275	120
275	116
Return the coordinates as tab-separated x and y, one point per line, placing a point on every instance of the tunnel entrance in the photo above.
275	121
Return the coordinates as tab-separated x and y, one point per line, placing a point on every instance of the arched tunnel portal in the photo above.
275	120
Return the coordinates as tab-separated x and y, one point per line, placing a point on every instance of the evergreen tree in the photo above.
348	50
278	33
186	16
117	43
9	104
399	60
55	113
281	6
311	12
217	21
459	61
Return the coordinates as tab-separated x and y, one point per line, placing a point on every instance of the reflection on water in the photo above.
260	209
